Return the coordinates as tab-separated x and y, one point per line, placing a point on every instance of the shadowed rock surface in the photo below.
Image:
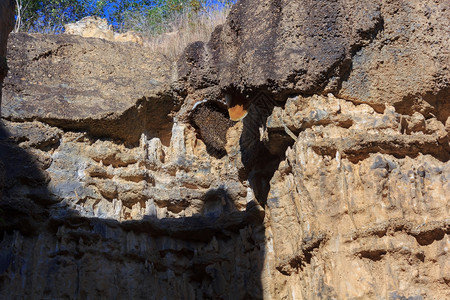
6	25
108	89
373	52
335	185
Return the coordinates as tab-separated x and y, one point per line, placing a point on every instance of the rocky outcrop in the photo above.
6	25
383	190
363	51
90	166
357	94
105	88
334	186
98	28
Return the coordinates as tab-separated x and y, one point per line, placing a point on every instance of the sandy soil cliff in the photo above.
123	178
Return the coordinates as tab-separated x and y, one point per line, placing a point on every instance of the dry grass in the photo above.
168	36
184	29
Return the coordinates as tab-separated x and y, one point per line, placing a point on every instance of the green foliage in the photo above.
51	15
140	15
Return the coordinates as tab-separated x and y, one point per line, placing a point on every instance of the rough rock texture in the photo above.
393	52
335	186
91	27
108	89
367	204
98	28
6	25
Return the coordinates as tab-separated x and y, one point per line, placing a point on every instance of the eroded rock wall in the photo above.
366	203
6	25
125	178
357	206
90	84
102	188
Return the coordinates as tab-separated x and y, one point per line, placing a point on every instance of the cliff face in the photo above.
6	25
121	181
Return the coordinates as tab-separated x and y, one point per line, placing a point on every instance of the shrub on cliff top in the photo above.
166	25
148	16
